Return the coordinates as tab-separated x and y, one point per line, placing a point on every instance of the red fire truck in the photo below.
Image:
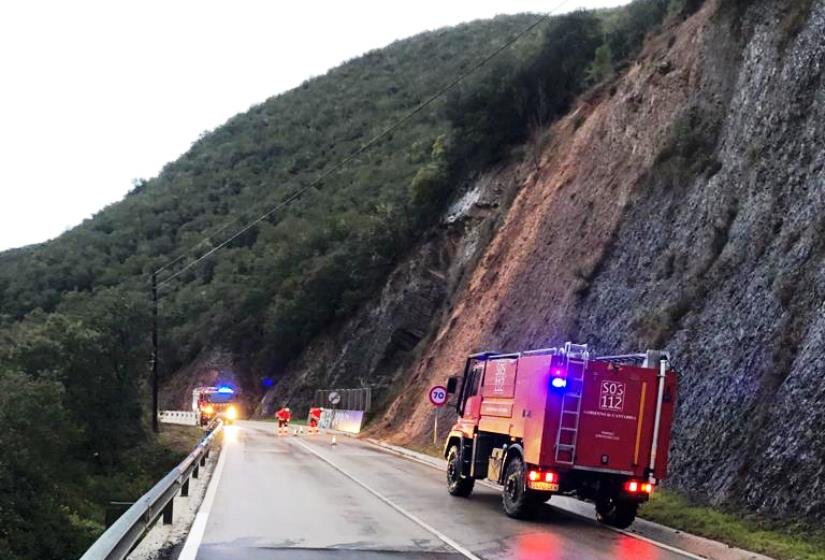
215	402
558	421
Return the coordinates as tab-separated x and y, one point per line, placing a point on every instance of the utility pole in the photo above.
155	426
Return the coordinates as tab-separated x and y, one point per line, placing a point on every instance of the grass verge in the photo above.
180	439
788	542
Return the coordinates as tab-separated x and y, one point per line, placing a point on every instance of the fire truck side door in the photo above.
472	398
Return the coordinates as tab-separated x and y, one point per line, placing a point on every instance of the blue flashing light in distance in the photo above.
225	389
559	382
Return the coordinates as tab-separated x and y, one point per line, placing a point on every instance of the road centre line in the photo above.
441	536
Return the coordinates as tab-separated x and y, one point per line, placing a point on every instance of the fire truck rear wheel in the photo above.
456	484
616	513
519	502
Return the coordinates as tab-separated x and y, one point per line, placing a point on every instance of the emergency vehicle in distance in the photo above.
215	402
556	421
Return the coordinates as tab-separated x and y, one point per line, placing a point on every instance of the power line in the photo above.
403	120
196	245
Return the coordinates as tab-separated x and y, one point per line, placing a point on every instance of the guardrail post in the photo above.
184	489
115	510
167	513
196	471
203	459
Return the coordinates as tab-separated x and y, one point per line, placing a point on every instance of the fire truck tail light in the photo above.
635	487
534	476
551	477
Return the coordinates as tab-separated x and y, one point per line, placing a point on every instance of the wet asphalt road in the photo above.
278	499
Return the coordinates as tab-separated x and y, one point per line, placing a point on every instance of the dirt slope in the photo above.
525	290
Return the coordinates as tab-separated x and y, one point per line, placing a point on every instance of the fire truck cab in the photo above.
558	421
215	402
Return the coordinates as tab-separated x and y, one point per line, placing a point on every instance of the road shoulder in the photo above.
692	546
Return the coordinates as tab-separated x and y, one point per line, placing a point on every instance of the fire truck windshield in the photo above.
220	398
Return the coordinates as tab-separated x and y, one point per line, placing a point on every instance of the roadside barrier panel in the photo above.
348	420
182	417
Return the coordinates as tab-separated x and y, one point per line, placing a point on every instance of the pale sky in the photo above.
95	94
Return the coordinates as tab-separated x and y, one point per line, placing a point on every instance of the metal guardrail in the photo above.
119	539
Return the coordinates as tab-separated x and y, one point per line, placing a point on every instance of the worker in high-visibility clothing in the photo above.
284	416
314	419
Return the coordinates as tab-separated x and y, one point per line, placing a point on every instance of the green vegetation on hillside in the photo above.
74	311
73	436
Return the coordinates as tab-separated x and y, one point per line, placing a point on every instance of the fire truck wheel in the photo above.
456	484
519	502
616	513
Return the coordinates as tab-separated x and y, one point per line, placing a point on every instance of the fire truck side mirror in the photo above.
452	383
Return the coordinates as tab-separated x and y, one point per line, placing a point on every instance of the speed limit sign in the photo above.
438	395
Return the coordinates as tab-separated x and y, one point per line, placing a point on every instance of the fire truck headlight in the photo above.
559	382
232	413
209	409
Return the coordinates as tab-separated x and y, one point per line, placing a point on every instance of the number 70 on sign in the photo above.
438	395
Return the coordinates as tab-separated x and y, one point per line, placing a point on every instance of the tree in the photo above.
602	67
35	470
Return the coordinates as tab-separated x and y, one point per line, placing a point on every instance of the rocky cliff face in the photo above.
719	257
680	206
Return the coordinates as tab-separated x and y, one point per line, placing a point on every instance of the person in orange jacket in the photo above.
284	416
314	419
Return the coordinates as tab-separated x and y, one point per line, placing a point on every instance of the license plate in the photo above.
543	486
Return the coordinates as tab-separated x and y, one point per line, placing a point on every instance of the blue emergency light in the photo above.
559	380
225	389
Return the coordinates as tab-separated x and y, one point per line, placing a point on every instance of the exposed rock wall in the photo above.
720	257
377	345
682	207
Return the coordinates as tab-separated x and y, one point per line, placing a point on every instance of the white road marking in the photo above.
444	538
193	540
488	484
657	543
